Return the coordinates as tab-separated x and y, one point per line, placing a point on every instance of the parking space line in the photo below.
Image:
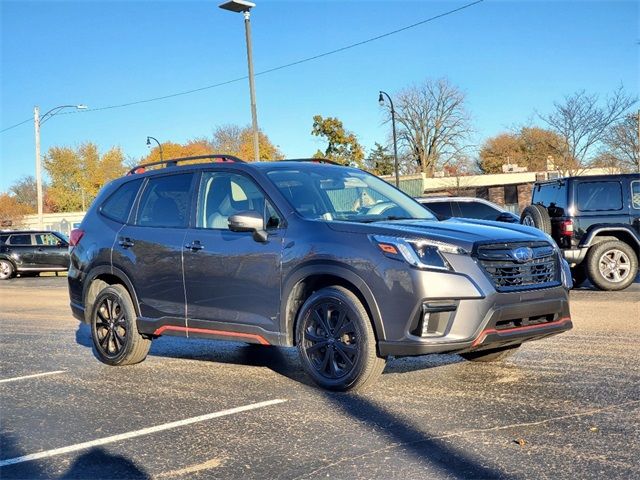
137	433
35	375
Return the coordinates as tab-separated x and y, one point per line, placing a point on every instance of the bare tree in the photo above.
582	123
433	124
622	142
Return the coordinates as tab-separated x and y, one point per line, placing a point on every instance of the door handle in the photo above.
194	246
125	242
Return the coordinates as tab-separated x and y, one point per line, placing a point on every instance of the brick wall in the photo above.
524	195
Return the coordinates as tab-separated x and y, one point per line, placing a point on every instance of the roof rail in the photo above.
314	160
172	162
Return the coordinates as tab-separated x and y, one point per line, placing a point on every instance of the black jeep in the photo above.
595	220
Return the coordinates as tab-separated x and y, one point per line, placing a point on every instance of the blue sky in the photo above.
511	58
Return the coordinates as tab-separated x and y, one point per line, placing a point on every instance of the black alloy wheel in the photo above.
336	342
116	340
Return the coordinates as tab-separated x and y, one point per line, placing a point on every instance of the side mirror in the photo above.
249	221
508	217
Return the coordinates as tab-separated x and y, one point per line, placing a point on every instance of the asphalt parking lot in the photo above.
565	407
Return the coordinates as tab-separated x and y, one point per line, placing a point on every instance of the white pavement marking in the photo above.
136	433
32	376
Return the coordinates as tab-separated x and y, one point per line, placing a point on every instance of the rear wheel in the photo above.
6	269
336	342
536	216
490	355
612	265
116	340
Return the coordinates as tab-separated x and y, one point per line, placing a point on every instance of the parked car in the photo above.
26	252
595	220
327	258
467	207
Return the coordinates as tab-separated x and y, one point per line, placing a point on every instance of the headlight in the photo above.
420	253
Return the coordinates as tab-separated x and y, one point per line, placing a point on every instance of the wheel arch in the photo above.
308	279
100	277
622	233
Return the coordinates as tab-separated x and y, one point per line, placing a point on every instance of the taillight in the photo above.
566	228
76	235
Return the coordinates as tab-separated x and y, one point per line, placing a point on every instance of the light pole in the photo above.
159	146
244	7
37	121
393	126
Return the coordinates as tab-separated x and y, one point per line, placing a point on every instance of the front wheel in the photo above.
336	342
116	340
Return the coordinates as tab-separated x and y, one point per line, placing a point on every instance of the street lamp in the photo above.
159	146
393	126
37	121
244	7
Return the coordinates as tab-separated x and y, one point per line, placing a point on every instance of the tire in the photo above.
6	269
612	265
490	355
116	340
578	275
335	341
536	216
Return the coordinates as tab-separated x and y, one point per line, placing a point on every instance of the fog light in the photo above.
435	318
425	322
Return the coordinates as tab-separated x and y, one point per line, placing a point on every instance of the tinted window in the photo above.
550	195
118	205
46	239
635	194
223	194
3	238
478	210
20	240
442	209
166	201
599	196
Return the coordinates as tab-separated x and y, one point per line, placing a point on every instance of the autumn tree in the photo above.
238	141
380	161
582	121
529	147
24	191
433	123
77	174
195	147
622	145
342	145
11	210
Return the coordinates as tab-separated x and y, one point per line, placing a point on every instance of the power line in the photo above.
270	70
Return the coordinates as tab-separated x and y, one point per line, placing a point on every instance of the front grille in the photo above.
509	267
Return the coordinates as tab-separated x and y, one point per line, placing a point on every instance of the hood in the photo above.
463	233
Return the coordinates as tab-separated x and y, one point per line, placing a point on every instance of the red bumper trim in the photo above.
222	333
483	335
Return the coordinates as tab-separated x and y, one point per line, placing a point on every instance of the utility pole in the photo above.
36	124
252	87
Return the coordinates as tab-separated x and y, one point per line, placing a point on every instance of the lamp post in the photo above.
37	122
159	145
393	126
244	7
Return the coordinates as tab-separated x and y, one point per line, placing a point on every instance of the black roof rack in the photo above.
172	162
314	160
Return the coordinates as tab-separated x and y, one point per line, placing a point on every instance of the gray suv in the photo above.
326	258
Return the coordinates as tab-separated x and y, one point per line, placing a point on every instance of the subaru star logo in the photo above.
522	254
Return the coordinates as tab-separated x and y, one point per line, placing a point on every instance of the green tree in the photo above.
78	174
380	161
342	145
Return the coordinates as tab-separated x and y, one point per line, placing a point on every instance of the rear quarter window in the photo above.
635	194
599	196
118	206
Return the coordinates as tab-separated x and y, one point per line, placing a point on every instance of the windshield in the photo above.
341	194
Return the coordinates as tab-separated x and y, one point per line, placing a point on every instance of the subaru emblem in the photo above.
522	254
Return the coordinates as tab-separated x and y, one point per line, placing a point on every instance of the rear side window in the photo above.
20	240
118	205
3	238
166	201
599	196
478	210
442	209
635	194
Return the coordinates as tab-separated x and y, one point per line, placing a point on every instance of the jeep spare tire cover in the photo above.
536	216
